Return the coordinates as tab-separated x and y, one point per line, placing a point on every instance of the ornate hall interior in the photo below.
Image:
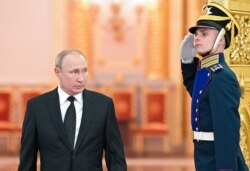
132	48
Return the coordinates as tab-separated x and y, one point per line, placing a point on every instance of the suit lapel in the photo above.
55	114
88	108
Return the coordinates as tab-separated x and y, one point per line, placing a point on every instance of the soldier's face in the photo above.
204	39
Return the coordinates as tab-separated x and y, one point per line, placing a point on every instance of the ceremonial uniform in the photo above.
215	118
215	91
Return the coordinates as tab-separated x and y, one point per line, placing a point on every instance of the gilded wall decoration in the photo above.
245	132
157	41
240	49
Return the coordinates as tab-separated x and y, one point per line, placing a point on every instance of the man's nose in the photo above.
81	76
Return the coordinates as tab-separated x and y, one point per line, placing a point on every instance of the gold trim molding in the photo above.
244	133
240	49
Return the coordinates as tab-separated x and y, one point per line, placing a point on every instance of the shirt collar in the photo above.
63	96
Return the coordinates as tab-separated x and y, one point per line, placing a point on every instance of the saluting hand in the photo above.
187	49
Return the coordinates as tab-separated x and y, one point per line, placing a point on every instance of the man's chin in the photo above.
78	90
203	54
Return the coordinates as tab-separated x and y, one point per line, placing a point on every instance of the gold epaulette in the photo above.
210	61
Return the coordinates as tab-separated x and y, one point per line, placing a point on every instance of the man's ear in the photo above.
218	39
57	70
223	41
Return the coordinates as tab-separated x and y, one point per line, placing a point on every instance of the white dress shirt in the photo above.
64	104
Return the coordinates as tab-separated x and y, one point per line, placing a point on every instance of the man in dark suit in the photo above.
71	134
215	91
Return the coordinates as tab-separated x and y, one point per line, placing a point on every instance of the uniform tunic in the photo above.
215	94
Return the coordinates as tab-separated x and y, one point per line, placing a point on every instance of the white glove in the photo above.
187	49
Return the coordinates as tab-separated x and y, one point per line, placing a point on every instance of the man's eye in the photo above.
74	72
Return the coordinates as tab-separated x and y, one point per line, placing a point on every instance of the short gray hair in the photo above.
61	56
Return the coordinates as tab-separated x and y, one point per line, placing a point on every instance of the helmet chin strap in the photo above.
216	43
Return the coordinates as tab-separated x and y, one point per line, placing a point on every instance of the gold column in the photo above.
80	29
157	46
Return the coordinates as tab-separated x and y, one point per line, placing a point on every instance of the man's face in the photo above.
73	74
204	39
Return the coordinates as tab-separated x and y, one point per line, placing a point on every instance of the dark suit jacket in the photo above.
43	131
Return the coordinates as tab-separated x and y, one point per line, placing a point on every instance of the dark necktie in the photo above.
70	121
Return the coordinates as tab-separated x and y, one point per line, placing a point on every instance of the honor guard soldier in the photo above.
215	91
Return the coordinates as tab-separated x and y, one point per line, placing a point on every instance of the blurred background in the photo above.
133	51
